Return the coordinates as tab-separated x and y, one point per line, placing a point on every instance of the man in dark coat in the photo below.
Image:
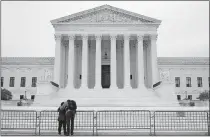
61	120
70	115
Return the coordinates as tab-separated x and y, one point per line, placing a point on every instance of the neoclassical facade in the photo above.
106	47
106	56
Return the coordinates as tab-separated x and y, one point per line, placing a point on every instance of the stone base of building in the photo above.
163	95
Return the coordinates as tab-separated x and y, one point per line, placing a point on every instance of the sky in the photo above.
26	30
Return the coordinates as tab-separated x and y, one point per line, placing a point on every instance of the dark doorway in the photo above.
105	73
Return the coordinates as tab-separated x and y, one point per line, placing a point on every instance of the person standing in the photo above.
61	119
70	115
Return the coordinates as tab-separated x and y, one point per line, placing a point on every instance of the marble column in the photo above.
98	62
140	61
113	62
153	53
57	64
71	62
127	62
84	83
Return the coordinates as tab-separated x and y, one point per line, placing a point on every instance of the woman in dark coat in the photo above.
61	120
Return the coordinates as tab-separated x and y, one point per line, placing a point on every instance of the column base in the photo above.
113	87
127	87
142	87
84	87
97	88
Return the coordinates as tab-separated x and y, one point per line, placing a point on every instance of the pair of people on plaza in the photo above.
67	111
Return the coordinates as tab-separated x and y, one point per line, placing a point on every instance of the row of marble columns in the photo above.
113	74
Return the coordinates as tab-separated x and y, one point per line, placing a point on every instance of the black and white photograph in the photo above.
105	68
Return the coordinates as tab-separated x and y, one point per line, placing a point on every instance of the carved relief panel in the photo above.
105	15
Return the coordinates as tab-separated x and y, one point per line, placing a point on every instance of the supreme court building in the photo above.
106	56
106	47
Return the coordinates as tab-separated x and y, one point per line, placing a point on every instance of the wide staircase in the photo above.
107	97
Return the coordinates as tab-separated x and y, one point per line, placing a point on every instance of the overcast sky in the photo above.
27	31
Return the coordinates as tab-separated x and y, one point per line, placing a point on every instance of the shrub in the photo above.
192	104
19	103
204	95
6	94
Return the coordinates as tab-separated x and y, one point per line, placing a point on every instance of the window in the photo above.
189	97
178	97
34	79
23	82
199	80
32	97
2	81
21	96
12	82
177	81
188	81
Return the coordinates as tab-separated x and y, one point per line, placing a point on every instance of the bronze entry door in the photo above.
105	79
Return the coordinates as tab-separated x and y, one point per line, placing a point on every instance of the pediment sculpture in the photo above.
105	14
105	17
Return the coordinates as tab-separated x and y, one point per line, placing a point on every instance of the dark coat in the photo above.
70	114
74	105
66	105
61	116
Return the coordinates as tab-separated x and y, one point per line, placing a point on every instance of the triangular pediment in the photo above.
106	14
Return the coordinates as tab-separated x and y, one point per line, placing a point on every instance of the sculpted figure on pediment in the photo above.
104	16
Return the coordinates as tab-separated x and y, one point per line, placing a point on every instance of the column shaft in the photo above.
98	62
71	62
113	62
57	64
155	73
84	61
126	62
140	59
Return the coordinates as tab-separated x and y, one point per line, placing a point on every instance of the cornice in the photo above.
183	61
50	61
27	60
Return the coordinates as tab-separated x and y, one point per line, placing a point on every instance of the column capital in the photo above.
57	36
71	36
126	36
154	36
113	36
98	36
140	37
84	37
